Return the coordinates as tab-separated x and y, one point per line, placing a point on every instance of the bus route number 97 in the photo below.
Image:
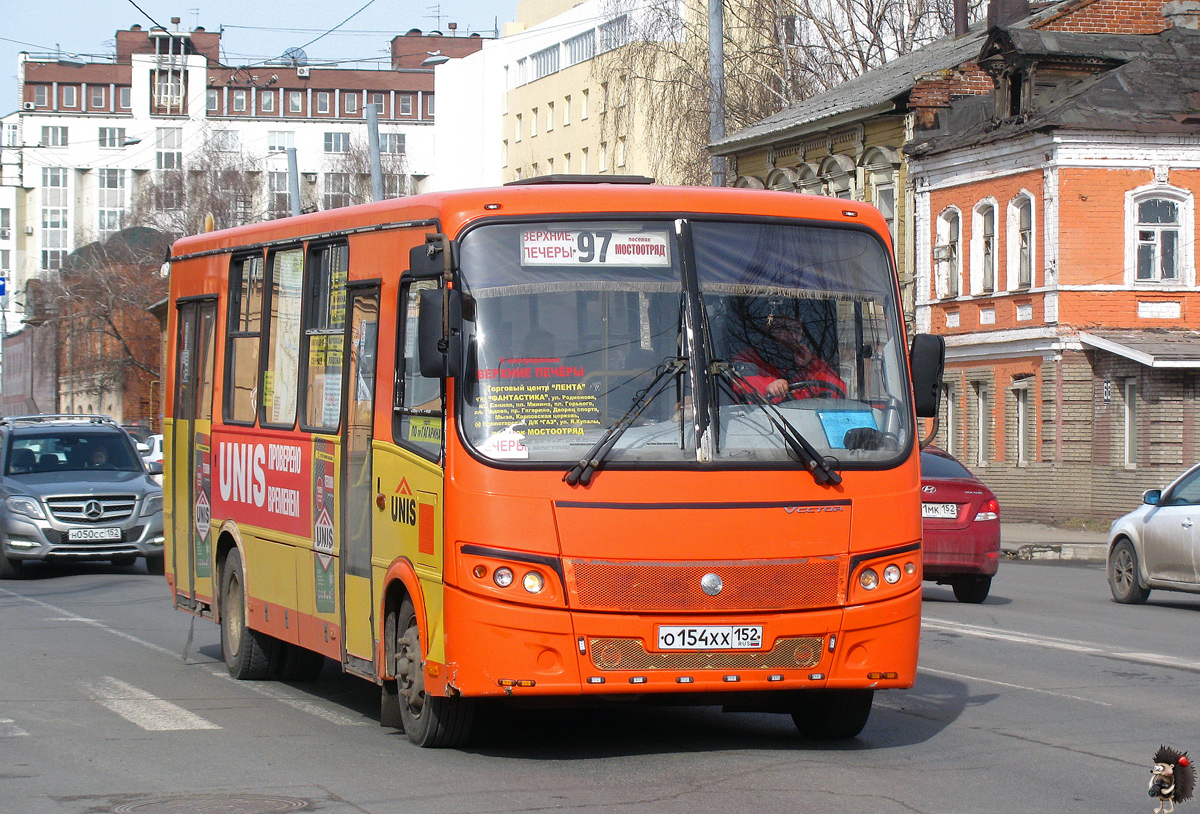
710	637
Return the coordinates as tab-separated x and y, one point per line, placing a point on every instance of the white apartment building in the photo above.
89	139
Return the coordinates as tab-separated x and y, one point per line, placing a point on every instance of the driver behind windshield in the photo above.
790	369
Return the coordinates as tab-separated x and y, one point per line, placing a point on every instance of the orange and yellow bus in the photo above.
557	439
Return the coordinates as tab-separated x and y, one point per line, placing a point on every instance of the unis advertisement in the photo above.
264	483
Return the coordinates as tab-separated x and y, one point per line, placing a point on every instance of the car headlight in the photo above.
28	506
152	505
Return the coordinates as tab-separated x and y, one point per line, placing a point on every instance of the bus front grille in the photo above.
812	582
629	654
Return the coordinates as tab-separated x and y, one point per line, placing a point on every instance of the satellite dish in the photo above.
295	56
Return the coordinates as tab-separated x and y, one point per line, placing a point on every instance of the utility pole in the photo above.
716	85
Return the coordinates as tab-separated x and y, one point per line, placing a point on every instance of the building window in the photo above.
566	110
603	156
1020	242
54	137
213	100
266	101
504	153
225	141
279	141
517	134
545	62
533	120
54	217
279	195
951	399
70	96
948	252
1157	240
583	156
983	249
1131	444
982	421
566	165
110	202
124	97
549	116
582	47
169	161
239	101
96	92
583	105
621	151
323	102
380	102
885	202
1024	422
429	105
337	142
391	143
168	92
41	95
350	105
296	101
337	190
614	34
406	104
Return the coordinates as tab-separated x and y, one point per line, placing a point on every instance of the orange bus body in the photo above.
442	515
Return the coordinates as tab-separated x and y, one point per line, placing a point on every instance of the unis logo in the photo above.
404	505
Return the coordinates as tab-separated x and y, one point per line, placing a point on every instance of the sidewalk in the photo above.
1035	541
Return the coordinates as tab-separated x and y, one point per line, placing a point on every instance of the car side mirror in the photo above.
1152	497
926	359
142	447
155	467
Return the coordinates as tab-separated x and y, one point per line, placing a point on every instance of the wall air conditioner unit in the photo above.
941	253
29	230
302	71
5	234
30	106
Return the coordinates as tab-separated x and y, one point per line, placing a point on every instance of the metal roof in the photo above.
1152	348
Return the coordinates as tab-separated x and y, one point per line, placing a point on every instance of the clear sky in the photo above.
252	31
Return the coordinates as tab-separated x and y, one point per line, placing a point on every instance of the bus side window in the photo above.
418	420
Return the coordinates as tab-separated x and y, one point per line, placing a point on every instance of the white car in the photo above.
154	449
1155	545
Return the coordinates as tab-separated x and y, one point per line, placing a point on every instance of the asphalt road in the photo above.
1047	697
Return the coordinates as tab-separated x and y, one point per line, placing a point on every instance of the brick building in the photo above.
1055	233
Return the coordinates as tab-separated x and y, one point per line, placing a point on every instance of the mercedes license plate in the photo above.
944	510
710	637
93	534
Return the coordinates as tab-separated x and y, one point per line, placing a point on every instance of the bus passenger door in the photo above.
187	474
358	494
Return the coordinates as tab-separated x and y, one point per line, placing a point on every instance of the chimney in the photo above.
1006	12
961	23
175	22
1182	13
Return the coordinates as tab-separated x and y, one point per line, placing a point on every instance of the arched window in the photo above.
1021	248
983	248
1160	226
947	253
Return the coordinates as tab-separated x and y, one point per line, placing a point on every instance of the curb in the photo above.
1079	552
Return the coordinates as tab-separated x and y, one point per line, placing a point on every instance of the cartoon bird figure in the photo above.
1172	780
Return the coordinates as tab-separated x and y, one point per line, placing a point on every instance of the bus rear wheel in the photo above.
429	721
832	714
248	653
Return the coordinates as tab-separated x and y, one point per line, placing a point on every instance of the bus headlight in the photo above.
503	577
533	582
891	574
868	579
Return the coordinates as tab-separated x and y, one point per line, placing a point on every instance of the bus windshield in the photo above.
775	329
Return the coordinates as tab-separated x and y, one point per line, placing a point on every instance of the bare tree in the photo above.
218	179
348	173
776	53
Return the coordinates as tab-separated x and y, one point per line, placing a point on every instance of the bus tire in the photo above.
832	714
428	721
298	663
249	654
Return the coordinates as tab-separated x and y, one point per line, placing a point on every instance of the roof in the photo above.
884	87
1154	88
1152	348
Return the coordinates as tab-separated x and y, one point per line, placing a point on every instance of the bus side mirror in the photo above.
926	359
439	345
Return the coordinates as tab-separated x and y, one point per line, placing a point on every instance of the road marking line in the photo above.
67	616
9	729
276	694
1010	685
143	709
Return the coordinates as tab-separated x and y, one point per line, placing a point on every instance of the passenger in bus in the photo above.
796	372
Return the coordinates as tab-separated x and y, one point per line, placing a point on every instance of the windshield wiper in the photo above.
822	472
582	472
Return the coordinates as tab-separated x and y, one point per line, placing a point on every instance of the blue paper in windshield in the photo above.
837	423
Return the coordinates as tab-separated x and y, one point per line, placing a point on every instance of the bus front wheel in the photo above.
832	714
427	720
248	653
